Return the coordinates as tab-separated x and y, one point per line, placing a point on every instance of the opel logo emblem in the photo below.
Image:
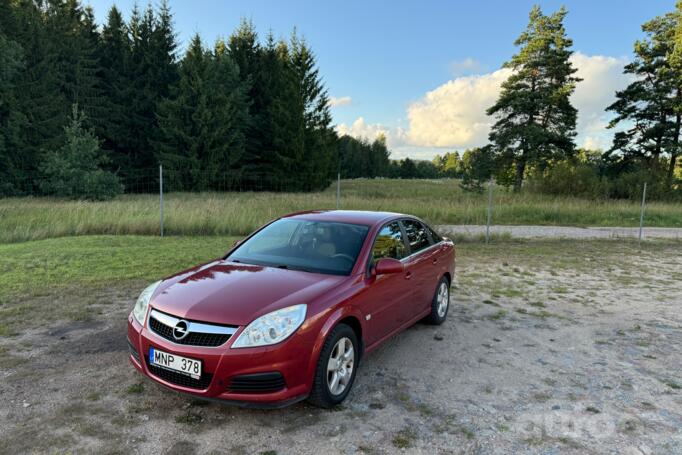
180	330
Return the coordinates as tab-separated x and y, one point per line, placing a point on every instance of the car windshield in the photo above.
311	246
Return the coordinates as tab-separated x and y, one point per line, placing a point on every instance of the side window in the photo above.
389	243
417	235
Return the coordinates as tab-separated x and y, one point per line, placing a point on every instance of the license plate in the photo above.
175	362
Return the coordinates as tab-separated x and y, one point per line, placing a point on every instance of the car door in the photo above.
385	295
419	267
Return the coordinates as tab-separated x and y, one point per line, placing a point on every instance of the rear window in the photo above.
389	243
434	235
417	236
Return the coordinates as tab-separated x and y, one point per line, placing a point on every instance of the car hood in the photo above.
224	292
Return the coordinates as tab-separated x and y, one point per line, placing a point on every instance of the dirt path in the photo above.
558	232
541	353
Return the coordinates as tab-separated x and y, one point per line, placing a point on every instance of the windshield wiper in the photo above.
288	267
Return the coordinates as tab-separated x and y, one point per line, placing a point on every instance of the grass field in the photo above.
438	202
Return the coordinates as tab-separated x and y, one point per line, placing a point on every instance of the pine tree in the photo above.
675	58
652	103
202	124
535	121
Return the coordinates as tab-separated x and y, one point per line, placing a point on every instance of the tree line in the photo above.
245	109
86	109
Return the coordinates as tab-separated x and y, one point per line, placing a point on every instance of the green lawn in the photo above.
53	265
437	201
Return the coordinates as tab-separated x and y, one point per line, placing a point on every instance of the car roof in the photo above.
368	218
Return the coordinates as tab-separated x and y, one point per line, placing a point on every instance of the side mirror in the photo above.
386	266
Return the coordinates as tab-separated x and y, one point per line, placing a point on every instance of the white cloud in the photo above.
452	116
340	101
466	66
601	77
363	130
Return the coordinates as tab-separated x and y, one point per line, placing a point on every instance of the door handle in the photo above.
408	275
435	261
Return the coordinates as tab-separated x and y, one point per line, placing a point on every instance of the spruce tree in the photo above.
245	50
37	94
115	58
12	121
284	146
154	71
73	44
535	121
202	124
319	139
74	170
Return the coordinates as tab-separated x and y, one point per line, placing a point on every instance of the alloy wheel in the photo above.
443	299
340	366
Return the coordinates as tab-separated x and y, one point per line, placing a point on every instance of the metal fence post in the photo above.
490	210
338	190
161	199
641	213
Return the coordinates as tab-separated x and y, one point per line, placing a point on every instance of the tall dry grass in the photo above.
437	201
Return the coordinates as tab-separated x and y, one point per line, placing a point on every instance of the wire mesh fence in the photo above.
171	201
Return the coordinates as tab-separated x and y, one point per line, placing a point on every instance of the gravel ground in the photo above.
572	348
562	232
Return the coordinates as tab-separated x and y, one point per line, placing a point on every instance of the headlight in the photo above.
140	308
272	327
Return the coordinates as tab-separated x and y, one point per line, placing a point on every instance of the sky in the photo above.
424	72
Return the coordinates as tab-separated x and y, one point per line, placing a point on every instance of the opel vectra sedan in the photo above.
288	313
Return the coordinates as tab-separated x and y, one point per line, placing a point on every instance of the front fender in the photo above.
331	320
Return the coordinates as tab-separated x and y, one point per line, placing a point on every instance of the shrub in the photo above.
74	170
570	179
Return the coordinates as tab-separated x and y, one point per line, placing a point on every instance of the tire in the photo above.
438	312
321	393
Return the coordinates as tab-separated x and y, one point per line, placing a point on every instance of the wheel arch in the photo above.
347	315
354	323
447	276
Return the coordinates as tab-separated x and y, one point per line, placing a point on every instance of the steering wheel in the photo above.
344	256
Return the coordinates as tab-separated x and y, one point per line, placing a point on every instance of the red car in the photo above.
288	313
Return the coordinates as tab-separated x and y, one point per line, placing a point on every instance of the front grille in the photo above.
179	378
257	383
133	350
193	338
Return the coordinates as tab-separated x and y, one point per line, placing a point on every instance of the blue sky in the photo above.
381	59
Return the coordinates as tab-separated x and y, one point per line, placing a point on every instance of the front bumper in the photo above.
224	369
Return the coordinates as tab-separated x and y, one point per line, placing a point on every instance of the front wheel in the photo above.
336	367
440	303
